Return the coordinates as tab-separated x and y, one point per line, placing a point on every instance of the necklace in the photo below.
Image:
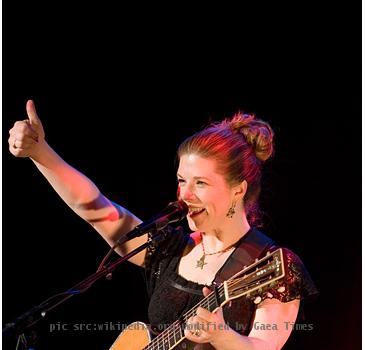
201	262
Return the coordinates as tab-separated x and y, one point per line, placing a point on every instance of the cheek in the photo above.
220	204
178	192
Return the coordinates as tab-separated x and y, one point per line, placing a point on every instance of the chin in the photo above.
192	225
196	227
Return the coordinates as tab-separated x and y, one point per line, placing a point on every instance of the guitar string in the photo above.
166	333
171	330
164	337
239	279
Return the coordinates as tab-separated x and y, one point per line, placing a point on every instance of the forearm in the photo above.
84	198
231	340
27	140
71	185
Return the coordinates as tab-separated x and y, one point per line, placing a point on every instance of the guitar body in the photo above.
135	337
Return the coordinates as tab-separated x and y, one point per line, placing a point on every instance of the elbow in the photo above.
261	344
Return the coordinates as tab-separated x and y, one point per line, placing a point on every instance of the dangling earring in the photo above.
231	210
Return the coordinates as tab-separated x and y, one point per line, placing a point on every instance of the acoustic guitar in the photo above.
252	282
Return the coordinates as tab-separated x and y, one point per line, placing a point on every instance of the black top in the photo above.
171	295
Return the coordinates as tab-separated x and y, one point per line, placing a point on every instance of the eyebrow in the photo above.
196	177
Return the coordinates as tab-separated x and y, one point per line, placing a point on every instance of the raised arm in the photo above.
27	139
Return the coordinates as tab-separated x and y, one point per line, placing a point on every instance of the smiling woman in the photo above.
219	177
208	200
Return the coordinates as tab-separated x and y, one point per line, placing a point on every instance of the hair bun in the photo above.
257	133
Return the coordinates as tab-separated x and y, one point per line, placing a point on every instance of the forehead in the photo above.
194	165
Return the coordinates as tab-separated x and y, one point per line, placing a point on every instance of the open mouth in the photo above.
194	212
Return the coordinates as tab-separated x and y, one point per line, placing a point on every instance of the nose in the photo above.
186	194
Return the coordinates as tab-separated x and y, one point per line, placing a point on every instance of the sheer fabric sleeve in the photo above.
162	256
296	284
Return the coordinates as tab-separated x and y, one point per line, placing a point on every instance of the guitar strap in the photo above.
251	246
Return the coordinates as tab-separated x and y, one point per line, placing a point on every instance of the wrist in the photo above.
223	337
41	152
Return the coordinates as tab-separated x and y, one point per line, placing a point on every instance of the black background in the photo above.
118	88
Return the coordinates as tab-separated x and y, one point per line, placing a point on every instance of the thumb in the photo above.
219	312
206	291
32	114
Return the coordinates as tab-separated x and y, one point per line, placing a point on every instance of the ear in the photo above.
240	190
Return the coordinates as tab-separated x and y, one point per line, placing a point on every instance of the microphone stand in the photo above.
24	322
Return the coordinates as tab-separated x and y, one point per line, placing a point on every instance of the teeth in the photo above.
195	210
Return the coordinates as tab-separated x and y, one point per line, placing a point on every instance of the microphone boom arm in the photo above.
175	211
38	312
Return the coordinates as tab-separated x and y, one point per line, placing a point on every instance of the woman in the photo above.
219	179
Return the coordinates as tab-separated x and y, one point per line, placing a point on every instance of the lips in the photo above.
195	211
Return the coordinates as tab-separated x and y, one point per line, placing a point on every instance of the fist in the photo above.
26	136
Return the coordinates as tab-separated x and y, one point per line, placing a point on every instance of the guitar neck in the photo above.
174	334
252	280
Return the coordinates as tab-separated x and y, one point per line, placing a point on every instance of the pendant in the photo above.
200	263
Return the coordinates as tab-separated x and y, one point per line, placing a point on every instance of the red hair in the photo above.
239	145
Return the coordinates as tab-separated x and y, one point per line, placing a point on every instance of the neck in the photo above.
221	238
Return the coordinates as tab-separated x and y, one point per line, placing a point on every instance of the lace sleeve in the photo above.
159	256
296	284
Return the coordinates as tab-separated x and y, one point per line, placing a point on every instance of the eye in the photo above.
180	181
200	183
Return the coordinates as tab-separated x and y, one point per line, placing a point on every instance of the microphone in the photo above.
175	211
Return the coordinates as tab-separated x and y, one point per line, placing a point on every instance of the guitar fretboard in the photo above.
175	332
258	275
